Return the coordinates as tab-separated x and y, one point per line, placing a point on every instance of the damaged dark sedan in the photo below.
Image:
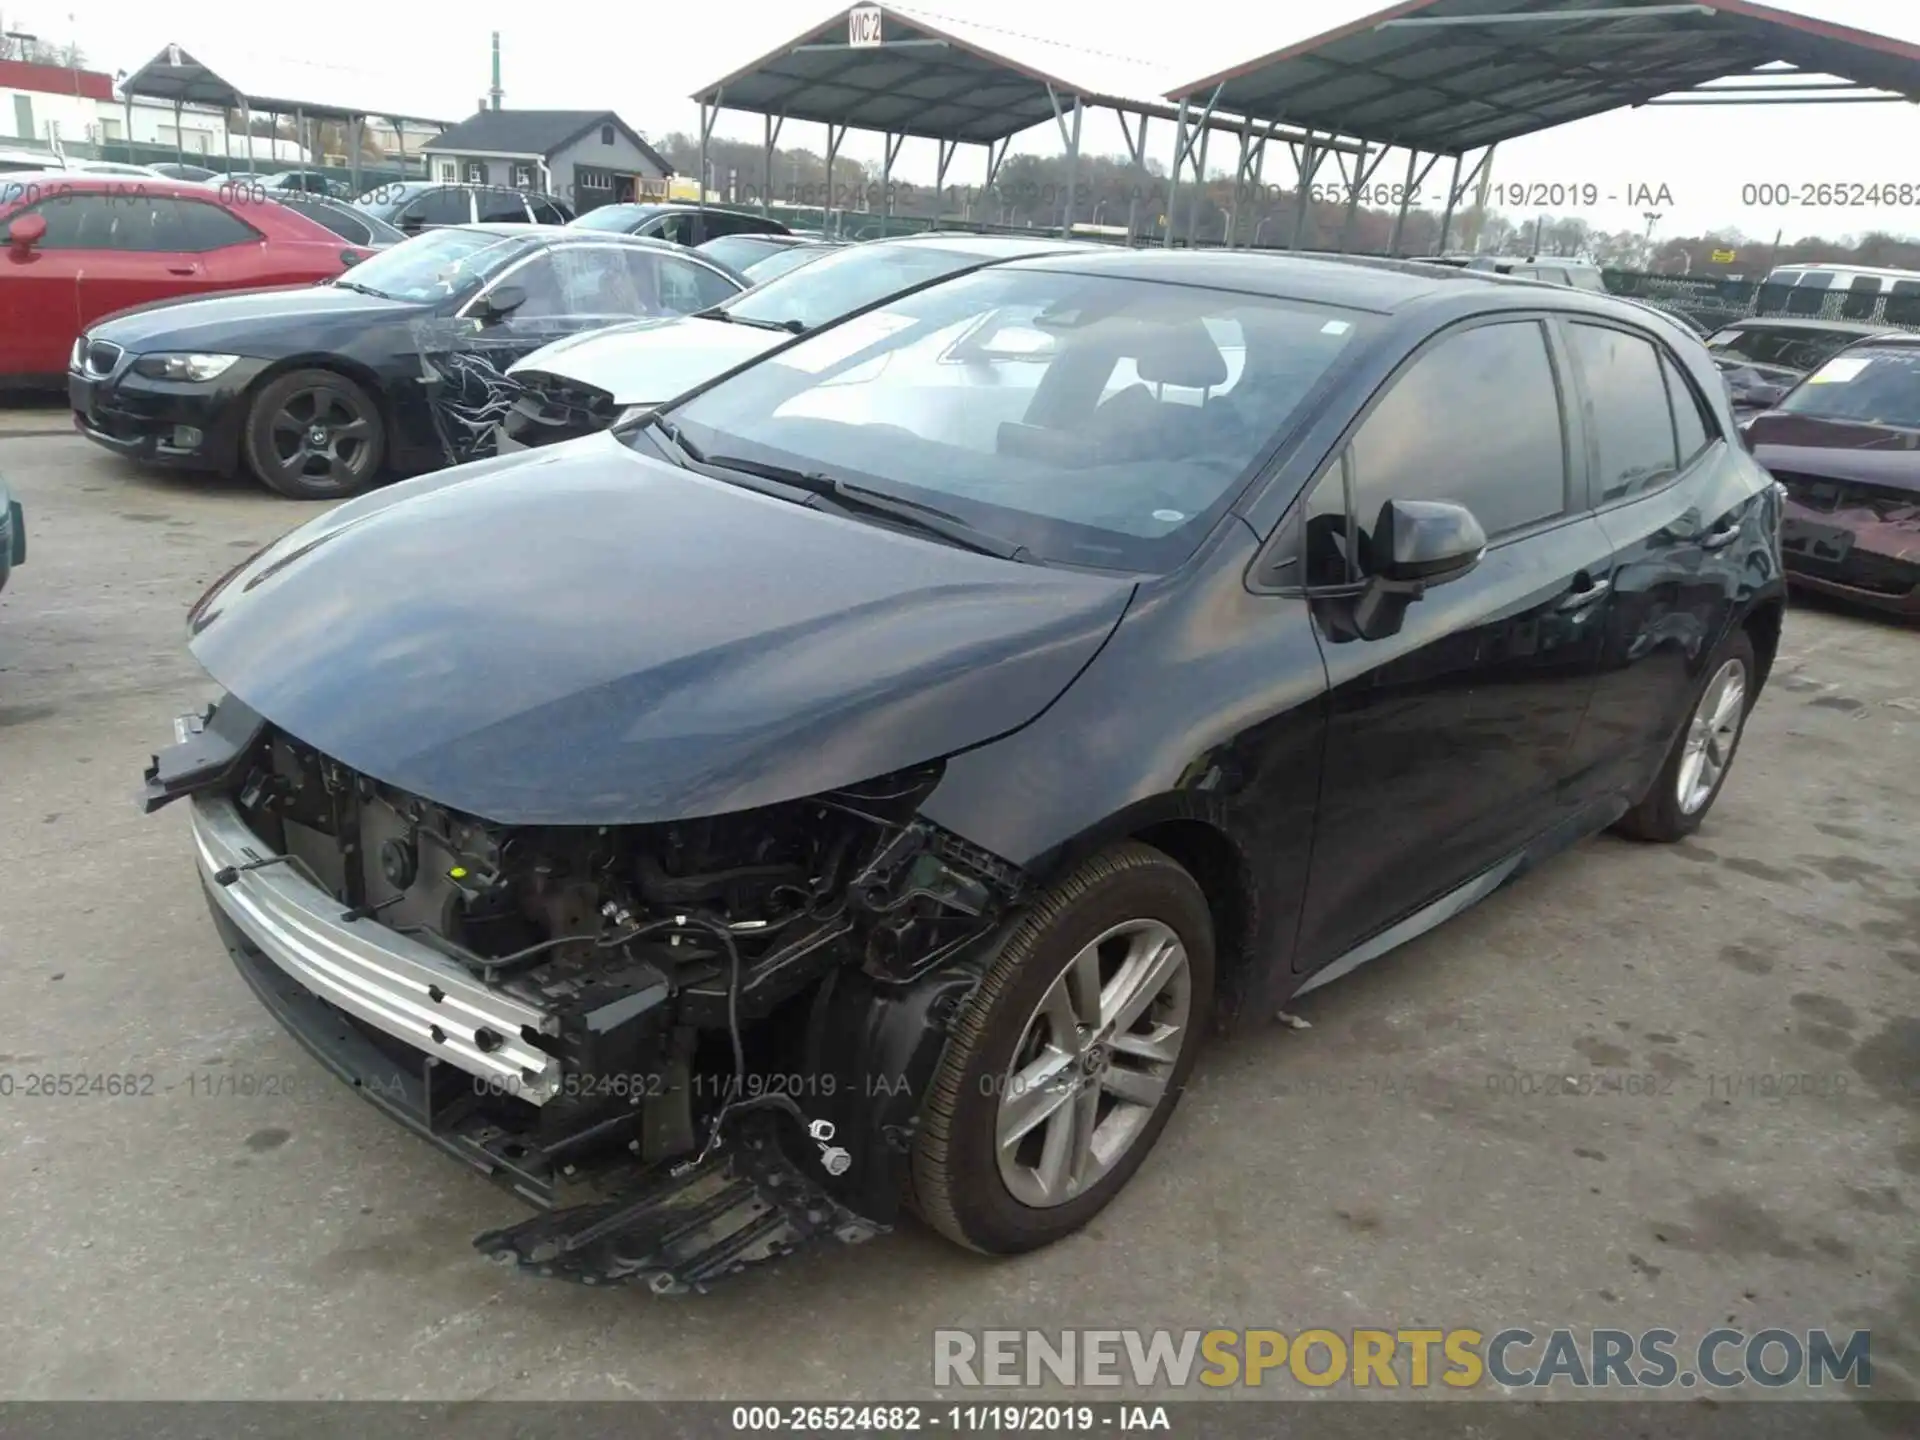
1845	444
858	786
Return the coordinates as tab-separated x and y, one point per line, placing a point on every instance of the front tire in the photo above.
1068	1060
1702	754
314	435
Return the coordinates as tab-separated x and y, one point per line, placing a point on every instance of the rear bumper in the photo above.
387	981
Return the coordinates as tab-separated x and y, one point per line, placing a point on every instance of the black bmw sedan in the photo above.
397	366
874	774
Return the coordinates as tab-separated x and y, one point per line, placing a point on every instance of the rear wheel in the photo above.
1069	1059
314	435
1702	754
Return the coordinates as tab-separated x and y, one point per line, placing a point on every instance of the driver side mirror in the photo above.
26	232
1415	544
498	304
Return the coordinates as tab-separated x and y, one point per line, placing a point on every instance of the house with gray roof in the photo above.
588	157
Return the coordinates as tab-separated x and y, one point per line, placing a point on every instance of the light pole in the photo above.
1652	218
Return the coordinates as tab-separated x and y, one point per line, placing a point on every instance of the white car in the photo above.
588	382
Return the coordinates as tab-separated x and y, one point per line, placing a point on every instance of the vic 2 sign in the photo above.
863	26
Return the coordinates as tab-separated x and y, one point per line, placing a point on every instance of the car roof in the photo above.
566	235
1356	282
1804	322
81	182
1000	247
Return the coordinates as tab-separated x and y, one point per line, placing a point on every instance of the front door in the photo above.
1448	742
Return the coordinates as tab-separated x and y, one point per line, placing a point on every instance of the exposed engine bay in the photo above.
735	1017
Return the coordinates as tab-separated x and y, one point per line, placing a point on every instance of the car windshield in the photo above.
848	280
438	265
1876	385
1089	419
608	217
782	261
1795	349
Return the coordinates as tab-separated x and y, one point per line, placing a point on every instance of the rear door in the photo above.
228	252
142	256
1448	743
1671	491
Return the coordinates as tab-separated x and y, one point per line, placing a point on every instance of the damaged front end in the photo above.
693	1045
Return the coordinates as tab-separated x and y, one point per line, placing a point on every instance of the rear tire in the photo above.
1018	1058
1702	754
314	435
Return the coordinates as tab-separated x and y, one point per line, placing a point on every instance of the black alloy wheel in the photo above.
314	435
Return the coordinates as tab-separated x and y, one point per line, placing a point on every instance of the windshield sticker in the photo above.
1838	371
830	347
1335	327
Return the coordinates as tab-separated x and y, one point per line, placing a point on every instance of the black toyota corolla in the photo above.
865	780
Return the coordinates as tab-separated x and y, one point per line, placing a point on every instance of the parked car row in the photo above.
957	708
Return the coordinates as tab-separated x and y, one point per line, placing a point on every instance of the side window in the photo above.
1629	416
1435	436
579	280
676	227
719	223
77	222
437	207
686	287
497	206
545	211
1860	297
1903	303
1693	425
204	227
150	223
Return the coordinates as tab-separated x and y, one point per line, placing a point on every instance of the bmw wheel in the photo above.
314	435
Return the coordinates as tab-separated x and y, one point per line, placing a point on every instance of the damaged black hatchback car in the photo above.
860	784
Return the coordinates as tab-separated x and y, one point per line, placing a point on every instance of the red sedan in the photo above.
80	247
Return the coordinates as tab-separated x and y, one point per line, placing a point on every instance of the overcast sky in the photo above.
643	61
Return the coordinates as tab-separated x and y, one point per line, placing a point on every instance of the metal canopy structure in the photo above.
902	73
177	76
1443	78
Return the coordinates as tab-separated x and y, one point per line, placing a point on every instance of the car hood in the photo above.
651	360
245	321
584	635
1880	455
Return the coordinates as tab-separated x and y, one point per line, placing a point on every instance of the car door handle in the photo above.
183	269
1586	589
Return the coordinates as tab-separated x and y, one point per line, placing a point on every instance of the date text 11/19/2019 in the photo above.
1009	1419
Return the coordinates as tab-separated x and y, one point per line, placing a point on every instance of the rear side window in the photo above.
1693	427
1629	417
686	287
340	220
1434	436
547	212
203	227
438	207
1861	294
498	206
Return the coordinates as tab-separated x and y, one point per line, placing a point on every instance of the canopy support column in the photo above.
1306	164
1182	152
893	143
179	137
708	114
948	149
995	158
1137	150
353	144
835	134
400	142
1414	182
1458	187
1070	138
1362	171
246	117
771	130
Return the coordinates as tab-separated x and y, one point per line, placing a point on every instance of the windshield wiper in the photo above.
792	327
849	498
666	427
339	284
